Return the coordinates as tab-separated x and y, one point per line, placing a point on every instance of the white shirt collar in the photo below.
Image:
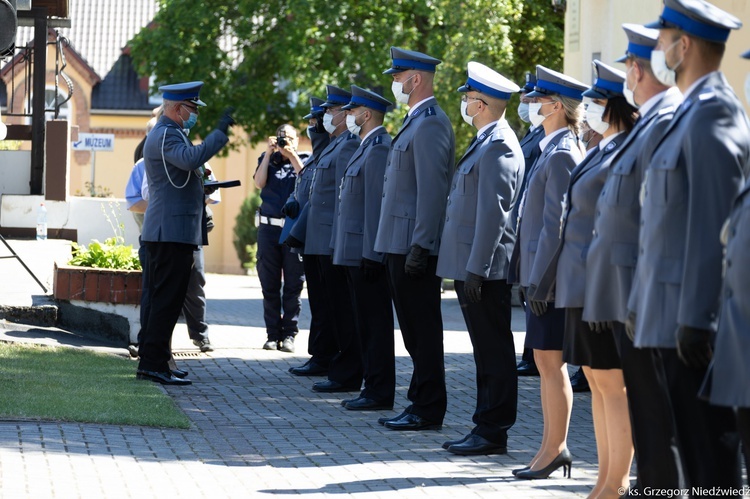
548	138
485	127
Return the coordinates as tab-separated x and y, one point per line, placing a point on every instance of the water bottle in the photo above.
41	223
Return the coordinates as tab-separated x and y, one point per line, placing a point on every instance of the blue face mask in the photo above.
191	121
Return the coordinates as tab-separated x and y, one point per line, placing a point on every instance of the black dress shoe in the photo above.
579	382
329	386
365	404
526	368
179	373
454	442
310	369
564	460
383	421
412	422
165	378
476	445
298	367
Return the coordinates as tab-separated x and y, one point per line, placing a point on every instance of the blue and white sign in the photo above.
94	142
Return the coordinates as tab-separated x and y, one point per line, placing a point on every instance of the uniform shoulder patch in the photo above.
707	94
351	136
430	111
565	144
377	140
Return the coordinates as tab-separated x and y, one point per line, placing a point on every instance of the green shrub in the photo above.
245	232
113	254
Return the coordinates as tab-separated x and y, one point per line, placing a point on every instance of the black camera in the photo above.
281	141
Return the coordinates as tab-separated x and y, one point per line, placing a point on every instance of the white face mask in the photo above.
666	75
627	93
397	87
467	118
351	123
523	111
594	117
536	118
309	132
328	122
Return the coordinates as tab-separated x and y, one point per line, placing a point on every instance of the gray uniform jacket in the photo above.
175	184
539	215
531	151
695	173
479	234
564	280
613	254
359	205
328	172
416	182
731	370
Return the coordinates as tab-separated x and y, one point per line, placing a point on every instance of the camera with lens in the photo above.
281	141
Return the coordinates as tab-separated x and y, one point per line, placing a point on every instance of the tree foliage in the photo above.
266	58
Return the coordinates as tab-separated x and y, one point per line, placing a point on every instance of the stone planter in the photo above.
99	302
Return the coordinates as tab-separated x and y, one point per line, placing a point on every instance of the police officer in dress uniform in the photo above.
345	369
531	151
477	242
557	108
694	174
729	363
356	227
415	192
276	176
175	221
612	256
609	114
321	343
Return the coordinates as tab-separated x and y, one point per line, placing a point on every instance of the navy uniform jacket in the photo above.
175	184
416	183
359	206
695	173
329	169
613	254
539	215
731	370
479	233
564	280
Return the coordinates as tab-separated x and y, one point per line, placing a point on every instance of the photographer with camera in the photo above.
275	177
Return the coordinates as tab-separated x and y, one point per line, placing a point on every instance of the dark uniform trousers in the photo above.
321	344
417	303
168	270
373	310
653	427
194	308
346	365
491	336
280	309
706	434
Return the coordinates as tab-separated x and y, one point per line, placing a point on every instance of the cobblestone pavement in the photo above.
258	431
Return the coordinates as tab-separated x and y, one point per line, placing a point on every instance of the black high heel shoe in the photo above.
564	460
518	470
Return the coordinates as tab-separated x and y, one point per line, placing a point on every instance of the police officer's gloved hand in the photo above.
291	208
319	128
416	262
473	287
371	270
630	325
601	327
538	307
694	346
522	295
226	121
293	242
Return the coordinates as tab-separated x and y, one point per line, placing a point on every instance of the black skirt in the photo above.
584	347
545	332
